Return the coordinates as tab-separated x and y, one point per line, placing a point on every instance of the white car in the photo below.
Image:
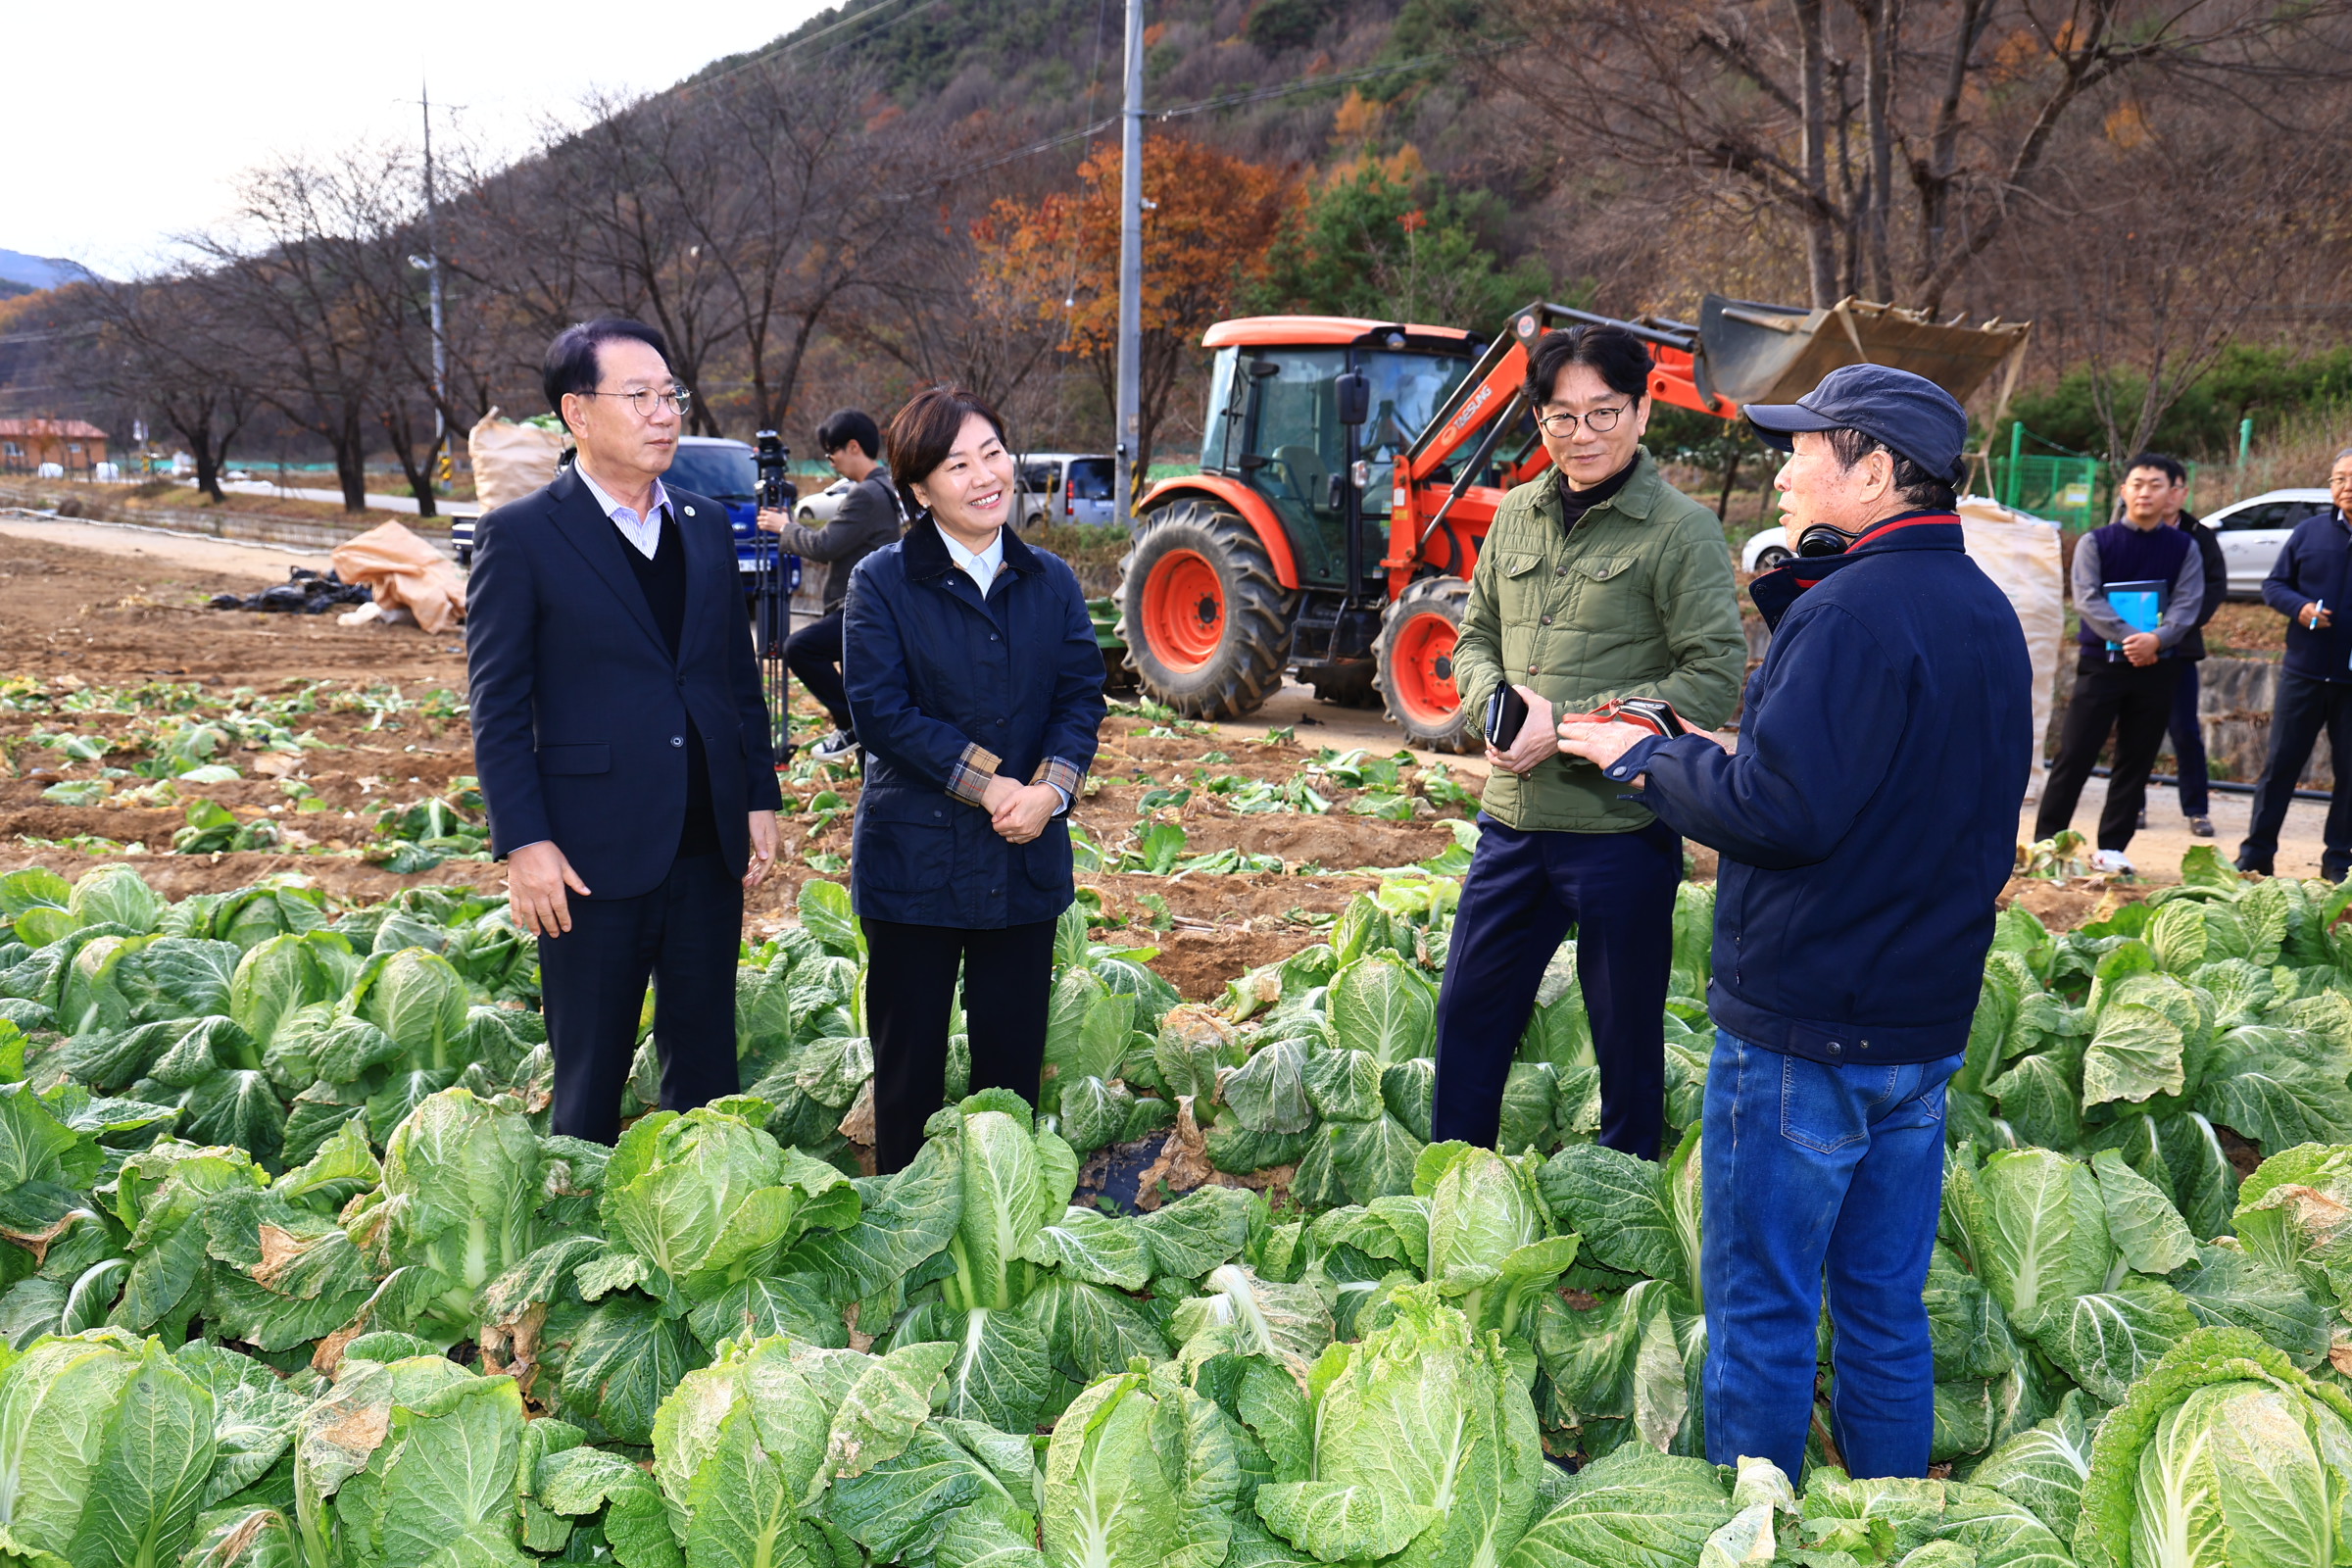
820	509
1767	551
2253	529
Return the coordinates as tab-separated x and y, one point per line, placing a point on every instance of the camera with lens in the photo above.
776	490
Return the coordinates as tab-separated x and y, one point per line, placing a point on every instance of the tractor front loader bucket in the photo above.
1753	352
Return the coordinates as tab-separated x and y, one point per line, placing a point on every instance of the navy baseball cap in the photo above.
1908	413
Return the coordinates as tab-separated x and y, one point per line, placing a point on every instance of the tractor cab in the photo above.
1274	423
1274	562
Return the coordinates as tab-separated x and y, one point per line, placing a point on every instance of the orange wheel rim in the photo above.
1184	610
1424	670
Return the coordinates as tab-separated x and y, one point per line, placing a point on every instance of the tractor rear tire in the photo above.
1208	627
1414	659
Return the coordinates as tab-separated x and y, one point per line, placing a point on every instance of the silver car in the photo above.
2252	531
1066	488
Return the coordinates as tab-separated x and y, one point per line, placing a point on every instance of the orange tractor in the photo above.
1349	469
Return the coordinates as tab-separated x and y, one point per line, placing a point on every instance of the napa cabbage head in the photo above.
2224	1454
1144	1472
106	1445
1016	1179
709	1199
1491	1245
1425	1449
462	1195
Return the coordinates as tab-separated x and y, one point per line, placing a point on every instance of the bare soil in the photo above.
119	610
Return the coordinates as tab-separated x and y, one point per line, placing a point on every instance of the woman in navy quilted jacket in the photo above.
976	689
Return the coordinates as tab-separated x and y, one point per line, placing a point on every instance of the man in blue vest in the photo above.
2138	588
1867	822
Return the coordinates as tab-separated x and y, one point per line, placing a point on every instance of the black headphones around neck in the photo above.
1823	540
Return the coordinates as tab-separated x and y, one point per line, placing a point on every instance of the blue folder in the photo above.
2137	604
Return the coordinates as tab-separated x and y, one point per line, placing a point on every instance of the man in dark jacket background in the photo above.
2307	585
1866	822
2169	479
868	519
2126	674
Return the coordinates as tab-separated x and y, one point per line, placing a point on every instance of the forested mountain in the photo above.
911	190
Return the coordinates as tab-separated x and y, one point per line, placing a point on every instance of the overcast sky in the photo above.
144	114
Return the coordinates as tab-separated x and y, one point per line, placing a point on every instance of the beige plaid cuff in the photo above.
973	772
1063	776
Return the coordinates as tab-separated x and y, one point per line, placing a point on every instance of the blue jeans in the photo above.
1806	1166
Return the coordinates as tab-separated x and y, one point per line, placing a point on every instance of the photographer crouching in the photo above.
1866	822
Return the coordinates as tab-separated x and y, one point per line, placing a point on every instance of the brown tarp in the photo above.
404	572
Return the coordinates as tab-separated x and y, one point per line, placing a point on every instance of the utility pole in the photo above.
1131	268
432	274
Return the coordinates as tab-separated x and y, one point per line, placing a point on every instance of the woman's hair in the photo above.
924	433
1622	361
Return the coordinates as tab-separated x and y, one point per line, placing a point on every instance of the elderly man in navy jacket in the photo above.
620	734
1866	822
2307	585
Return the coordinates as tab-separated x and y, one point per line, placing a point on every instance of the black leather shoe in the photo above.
2201	826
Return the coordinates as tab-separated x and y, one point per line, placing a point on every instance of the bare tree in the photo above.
156	352
288	288
1900	142
935	309
2176	227
639	174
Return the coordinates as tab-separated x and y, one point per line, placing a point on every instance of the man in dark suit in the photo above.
620	736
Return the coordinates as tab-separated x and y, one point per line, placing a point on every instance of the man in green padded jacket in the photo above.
1598	581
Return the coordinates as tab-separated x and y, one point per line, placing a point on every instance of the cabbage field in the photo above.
293	1276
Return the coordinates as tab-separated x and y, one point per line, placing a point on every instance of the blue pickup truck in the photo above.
723	470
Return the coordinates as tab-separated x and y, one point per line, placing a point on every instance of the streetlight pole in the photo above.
1131	266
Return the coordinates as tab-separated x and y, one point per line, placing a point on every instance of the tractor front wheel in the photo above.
1208	627
1415	664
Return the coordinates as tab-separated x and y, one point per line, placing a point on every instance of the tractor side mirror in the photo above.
1355	397
1262	369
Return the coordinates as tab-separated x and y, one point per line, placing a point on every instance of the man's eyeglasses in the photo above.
644	400
1600	421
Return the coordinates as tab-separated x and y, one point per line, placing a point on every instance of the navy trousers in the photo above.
1523	893
2306	707
813	654
2189	746
685	934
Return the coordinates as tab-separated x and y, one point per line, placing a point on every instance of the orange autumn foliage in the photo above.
1208	223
